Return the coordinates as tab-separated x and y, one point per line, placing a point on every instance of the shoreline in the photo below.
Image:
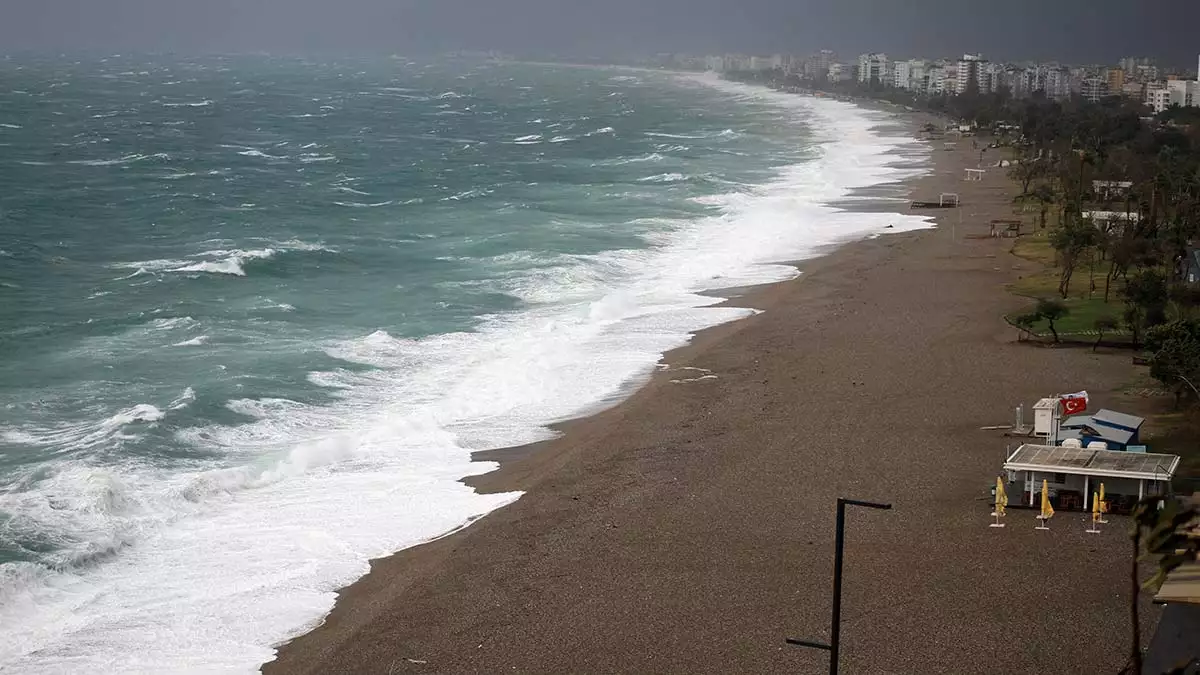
688	527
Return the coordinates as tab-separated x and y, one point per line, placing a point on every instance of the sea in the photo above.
257	312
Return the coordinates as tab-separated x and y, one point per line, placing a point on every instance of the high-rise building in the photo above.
872	67
902	75
840	72
936	80
821	62
1057	82
1185	93
1158	96
1093	88
969	67
1116	79
1144	72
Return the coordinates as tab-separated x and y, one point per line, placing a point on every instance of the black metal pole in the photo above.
838	555
839	546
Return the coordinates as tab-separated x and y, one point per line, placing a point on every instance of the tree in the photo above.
1145	300
1134	317
1025	322
1104	324
1044	196
1175	355
1186	298
1162	533
1026	169
1051	311
1070	239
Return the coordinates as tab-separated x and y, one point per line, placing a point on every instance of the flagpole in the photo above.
1054	422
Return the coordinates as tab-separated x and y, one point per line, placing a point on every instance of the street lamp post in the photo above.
836	621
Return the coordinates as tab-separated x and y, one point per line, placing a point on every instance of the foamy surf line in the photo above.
208	570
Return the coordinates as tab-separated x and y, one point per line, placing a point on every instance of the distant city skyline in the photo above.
1074	31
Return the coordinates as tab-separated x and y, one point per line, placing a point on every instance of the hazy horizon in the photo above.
1068	30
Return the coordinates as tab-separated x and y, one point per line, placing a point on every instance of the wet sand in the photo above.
690	528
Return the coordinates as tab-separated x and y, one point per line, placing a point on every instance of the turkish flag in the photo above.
1073	404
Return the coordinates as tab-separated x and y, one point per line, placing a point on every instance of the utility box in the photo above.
1043	416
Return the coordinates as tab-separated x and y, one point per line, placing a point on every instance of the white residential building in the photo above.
1058	82
840	72
918	73
1158	96
992	76
969	68
1185	93
737	62
910	74
936	80
716	63
817	65
872	67
902	75
1093	88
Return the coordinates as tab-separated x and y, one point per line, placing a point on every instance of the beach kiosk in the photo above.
1072	473
1044	417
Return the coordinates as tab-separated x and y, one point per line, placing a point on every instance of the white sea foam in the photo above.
184	400
664	178
10	126
81	435
229	262
194	342
259	153
658	134
191	104
362	205
215	566
118	161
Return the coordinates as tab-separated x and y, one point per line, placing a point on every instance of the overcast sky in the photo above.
1083	31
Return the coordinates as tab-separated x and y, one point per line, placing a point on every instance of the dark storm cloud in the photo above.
1073	30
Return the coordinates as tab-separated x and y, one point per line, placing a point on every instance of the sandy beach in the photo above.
690	528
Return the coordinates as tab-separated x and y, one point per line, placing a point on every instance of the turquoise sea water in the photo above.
256	312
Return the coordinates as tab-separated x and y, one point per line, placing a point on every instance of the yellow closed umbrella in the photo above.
1095	513
1047	510
1103	505
1001	503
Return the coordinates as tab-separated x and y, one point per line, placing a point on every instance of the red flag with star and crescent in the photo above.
1073	404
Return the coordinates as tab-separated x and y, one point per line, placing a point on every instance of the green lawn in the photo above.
1085	300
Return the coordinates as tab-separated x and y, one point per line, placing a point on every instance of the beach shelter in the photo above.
1047	510
1001	503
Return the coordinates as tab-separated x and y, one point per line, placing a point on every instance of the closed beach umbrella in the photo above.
1095	506
1001	497
1103	506
1047	510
